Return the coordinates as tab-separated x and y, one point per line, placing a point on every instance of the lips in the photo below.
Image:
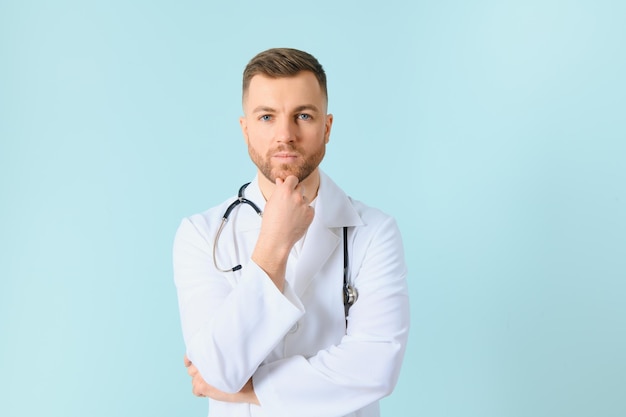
285	155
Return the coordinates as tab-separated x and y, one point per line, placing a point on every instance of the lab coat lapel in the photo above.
333	211
319	244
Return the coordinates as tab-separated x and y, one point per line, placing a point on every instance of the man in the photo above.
261	297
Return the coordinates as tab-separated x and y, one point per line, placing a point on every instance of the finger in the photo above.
198	387
187	362
291	181
196	391
192	371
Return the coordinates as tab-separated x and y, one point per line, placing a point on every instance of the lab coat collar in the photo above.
333	208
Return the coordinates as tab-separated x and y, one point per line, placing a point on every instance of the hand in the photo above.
200	388
287	214
286	218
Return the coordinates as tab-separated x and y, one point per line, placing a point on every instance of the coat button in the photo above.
294	328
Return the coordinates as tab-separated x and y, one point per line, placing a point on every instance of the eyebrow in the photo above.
267	109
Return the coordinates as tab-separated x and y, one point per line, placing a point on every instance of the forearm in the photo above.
347	377
238	337
226	318
272	259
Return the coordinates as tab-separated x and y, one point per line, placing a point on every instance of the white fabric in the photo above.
303	360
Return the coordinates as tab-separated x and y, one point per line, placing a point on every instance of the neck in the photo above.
310	185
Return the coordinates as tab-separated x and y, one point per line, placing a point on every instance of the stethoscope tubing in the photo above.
350	294
240	200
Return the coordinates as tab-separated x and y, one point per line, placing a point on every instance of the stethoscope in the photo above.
350	294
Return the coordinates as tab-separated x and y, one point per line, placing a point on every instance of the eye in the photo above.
265	118
304	116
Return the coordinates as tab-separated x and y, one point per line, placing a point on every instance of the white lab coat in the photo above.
304	359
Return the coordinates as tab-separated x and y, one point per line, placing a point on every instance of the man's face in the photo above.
285	125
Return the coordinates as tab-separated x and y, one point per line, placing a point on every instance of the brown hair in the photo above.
283	62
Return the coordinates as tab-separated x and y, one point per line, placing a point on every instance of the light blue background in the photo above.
494	131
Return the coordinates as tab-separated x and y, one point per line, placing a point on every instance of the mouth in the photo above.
285	156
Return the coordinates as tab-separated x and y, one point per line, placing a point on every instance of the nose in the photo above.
286	130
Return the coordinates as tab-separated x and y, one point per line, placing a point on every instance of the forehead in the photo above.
302	88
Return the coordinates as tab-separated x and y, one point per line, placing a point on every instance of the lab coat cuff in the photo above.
264	390
292	297
288	292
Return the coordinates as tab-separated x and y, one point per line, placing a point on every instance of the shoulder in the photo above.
376	224
370	215
203	224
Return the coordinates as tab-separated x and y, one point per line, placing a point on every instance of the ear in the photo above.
244	128
328	126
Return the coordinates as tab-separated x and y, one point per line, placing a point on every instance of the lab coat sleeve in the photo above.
228	329
365	365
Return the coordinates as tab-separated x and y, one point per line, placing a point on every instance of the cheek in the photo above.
260	132
258	143
323	135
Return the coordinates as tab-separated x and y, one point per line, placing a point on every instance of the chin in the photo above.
284	172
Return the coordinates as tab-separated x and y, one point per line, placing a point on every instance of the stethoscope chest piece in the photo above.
350	295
